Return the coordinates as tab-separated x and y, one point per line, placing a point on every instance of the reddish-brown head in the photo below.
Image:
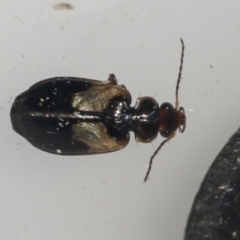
171	119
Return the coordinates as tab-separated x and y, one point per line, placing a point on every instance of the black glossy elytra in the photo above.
78	116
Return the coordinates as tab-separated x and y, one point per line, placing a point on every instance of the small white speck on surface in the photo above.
60	125
59	151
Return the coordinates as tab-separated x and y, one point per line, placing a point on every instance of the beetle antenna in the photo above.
179	74
154	154
152	157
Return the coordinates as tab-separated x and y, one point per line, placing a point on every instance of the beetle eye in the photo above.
164	130
165	109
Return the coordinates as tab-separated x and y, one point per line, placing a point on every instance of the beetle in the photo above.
78	116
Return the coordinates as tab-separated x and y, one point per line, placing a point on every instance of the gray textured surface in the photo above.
215	213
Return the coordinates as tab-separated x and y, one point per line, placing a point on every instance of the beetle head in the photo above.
171	119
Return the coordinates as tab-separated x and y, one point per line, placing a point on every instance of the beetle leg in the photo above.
112	79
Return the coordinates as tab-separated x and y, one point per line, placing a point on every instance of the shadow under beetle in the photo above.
78	116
